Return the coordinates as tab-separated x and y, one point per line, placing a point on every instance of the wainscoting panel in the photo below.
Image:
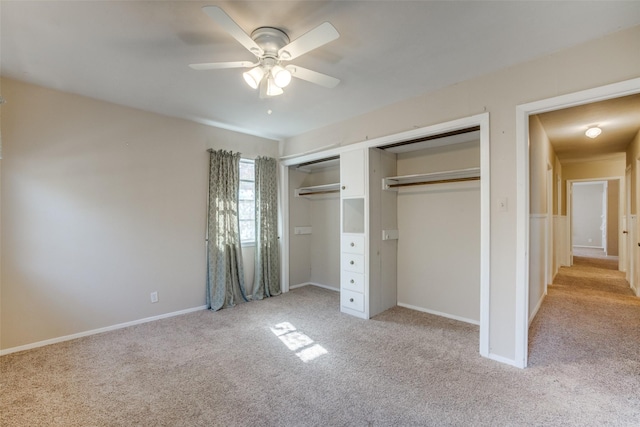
537	245
560	243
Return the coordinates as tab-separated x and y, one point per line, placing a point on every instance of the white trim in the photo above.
99	330
438	313
284	228
523	112
503	359
294	159
319	285
522	237
537	307
485	233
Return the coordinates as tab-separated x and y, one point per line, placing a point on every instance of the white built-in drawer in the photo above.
352	300
353	262
352	281
353	243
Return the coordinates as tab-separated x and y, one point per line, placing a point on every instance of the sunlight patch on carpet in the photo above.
296	340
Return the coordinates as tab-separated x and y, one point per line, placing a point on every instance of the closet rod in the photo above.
318	192
313	162
439	181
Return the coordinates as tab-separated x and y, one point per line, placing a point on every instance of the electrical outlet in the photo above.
154	296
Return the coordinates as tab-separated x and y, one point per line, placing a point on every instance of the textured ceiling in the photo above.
135	53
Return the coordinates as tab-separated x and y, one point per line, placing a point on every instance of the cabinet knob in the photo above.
344	187
350	299
351	262
353	281
352	244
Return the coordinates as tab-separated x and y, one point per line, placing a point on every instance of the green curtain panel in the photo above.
225	275
267	259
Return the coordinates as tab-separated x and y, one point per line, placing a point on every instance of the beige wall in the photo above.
498	93
541	155
439	228
101	205
633	154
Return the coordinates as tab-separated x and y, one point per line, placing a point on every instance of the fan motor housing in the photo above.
270	39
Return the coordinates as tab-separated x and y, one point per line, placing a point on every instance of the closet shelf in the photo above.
318	190
394	182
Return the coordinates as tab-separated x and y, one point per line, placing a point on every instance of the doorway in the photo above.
593	214
523	112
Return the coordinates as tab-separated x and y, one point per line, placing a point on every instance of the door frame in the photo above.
550	250
523	111
570	183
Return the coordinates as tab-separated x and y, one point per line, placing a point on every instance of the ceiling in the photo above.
619	119
135	53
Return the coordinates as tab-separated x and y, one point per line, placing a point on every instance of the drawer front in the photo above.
352	281
352	300
353	244
353	263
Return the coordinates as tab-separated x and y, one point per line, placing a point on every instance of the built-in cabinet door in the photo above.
352	173
353	275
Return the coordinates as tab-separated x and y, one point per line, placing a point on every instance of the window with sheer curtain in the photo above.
247	205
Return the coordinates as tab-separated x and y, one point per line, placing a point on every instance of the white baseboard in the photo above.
98	331
320	285
504	360
537	307
437	313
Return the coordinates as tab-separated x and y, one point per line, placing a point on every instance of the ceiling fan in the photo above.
272	48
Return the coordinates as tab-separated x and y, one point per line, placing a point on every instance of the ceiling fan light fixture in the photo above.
272	88
281	76
253	77
593	132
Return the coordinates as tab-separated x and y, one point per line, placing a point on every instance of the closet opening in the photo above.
432	202
314	217
402	219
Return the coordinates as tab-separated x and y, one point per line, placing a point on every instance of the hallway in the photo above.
590	319
586	337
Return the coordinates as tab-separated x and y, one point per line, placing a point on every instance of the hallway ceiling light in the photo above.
593	132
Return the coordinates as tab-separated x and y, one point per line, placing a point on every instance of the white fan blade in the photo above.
321	35
313	76
222	65
232	28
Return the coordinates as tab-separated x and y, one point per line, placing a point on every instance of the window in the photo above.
247	202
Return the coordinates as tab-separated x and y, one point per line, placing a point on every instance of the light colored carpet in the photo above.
403	368
591	253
